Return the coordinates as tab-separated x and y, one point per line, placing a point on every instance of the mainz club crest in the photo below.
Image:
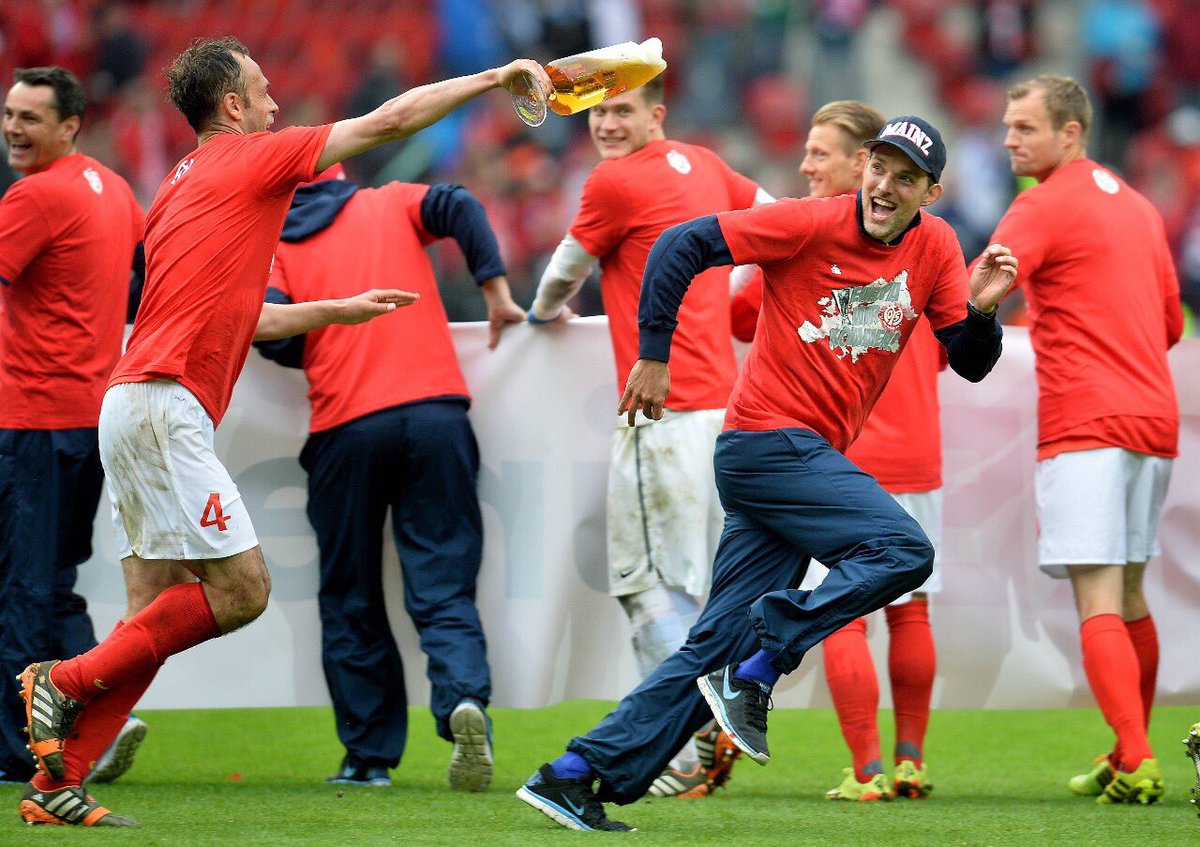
864	317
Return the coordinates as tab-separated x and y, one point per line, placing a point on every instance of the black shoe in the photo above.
740	707
568	802
356	773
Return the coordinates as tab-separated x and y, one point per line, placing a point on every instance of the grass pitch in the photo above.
255	777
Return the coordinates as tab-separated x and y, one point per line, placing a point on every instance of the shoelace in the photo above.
761	703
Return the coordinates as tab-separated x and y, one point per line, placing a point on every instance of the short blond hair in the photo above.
857	121
1065	99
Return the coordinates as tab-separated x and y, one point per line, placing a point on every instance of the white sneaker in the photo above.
471	761
118	758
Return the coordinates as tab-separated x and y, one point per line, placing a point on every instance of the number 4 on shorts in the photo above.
213	516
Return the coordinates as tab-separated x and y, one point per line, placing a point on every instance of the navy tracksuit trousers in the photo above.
50	483
421	461
789	497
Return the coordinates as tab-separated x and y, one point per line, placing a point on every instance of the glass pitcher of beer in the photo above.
583	80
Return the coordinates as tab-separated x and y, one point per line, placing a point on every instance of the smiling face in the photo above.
1035	147
893	190
625	124
832	162
35	134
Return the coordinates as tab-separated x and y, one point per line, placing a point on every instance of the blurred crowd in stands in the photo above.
743	77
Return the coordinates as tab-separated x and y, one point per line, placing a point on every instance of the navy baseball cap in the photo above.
918	139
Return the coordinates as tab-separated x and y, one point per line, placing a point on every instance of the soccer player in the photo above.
845	280
1103	310
395	438
901	446
663	513
69	233
194	570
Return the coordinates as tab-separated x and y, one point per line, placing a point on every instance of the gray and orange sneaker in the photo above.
69	806
684	786
717	754
50	715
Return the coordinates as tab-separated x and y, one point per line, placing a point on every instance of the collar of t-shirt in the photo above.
858	218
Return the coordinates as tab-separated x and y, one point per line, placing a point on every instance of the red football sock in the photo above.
855	690
179	618
1144	636
1111	665
912	664
99	723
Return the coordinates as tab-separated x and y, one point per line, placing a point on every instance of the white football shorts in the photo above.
171	497
1099	507
926	509
664	514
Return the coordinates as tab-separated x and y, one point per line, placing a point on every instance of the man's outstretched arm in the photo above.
419	107
282	321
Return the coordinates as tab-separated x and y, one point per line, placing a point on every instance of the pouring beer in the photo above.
585	79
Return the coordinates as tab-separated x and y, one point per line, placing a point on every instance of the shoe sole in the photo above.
717	704
123	749
725	754
553	811
1192	750
471	762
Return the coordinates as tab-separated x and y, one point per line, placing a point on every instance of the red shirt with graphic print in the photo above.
838	307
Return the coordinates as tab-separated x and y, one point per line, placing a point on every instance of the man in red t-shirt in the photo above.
68	237
901	446
846	279
193	567
1104	308
663	514
393	439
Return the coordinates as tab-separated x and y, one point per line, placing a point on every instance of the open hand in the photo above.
646	389
993	276
371	304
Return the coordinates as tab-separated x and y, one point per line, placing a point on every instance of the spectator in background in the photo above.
663	514
383	78
69	234
1103	309
393	438
120	54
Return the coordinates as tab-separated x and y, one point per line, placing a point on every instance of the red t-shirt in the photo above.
627	204
838	307
1103	309
67	236
210	239
398	358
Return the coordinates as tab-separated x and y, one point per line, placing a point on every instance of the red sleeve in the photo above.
25	230
948	299
768	233
282	160
1024	231
603	217
742	189
745	306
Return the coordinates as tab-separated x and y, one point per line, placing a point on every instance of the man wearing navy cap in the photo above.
845	279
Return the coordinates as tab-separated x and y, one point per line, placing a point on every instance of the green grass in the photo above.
254	777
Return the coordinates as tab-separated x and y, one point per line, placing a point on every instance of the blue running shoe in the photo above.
363	775
568	802
740	707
